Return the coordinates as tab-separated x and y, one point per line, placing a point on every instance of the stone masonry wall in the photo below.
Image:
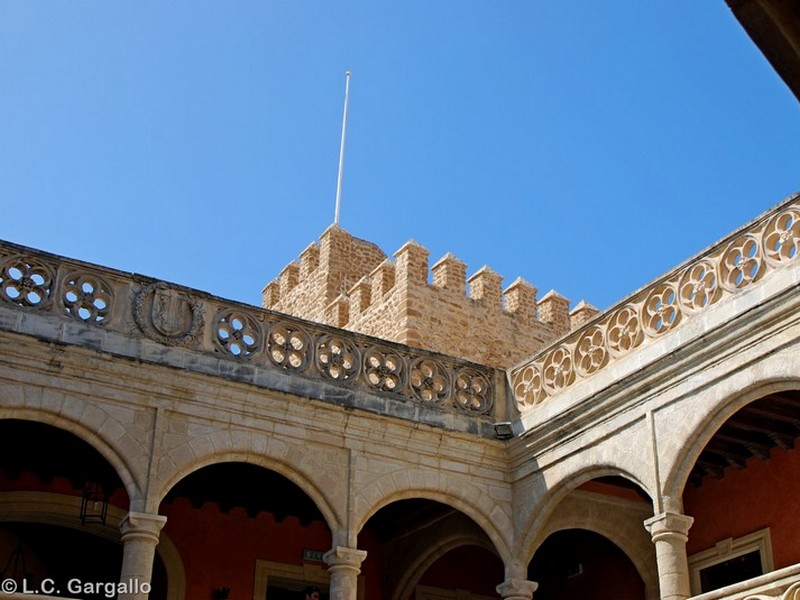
350	283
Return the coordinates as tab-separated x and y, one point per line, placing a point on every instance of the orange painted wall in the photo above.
221	549
764	494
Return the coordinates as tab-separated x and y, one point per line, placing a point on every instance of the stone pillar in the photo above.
139	539
344	565
517	589
670	531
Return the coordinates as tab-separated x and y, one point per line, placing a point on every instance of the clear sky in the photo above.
585	146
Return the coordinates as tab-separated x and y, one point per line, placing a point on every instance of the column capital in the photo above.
517	589
142	526
341	556
669	525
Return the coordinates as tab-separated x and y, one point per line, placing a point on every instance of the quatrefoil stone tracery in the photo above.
337	358
238	334
429	381
781	238
384	369
288	347
623	331
660	309
528	387
26	282
557	370
741	264
472	392
87	297
698	286
590	351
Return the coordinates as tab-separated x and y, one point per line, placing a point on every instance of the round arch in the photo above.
535	522
469	500
637	548
291	472
60	510
424	561
88	431
697	435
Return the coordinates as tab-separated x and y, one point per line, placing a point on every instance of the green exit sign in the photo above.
313	555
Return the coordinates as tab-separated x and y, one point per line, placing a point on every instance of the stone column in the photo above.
344	565
517	589
670	531
139	538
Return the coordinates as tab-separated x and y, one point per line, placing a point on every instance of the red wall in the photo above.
764	494
466	568
220	550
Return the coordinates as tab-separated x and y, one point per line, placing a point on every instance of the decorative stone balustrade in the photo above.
735	264
174	316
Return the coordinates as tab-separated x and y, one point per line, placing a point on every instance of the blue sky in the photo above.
585	146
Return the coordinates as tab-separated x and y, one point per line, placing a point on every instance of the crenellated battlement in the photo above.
350	283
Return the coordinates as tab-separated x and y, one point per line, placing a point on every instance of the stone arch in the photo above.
451	491
530	530
629	535
60	510
89	431
695	435
300	476
423	562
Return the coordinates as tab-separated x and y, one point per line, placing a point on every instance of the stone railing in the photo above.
725	269
783	584
105	302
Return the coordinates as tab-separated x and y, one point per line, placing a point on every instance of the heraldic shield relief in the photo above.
167	315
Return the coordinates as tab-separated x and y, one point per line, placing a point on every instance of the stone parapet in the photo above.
75	303
733	266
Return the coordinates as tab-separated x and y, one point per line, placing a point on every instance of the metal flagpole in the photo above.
341	149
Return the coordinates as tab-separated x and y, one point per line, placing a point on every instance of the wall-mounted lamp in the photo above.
503	430
94	504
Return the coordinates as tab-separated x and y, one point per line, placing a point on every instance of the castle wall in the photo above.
324	271
349	283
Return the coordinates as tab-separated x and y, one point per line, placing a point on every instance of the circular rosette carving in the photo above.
660	311
741	264
590	351
557	371
384	369
472	391
288	347
26	281
781	238
87	297
337	358
237	334
623	331
698	286
429	381
528	388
